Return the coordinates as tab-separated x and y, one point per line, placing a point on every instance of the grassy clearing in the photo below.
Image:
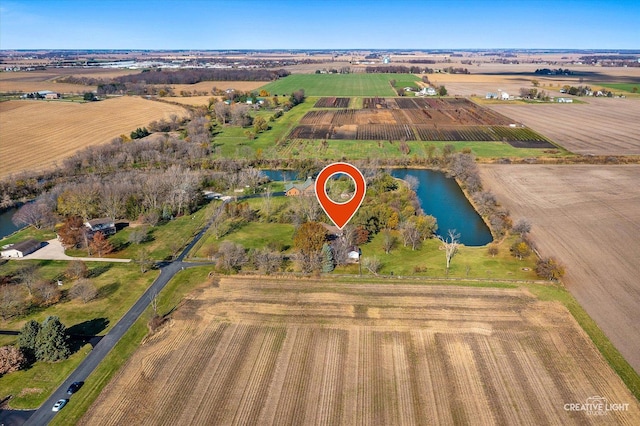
182	284
26	233
252	235
624	87
339	84
429	261
119	285
31	387
604	345
166	240
357	149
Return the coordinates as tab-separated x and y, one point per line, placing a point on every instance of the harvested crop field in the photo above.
449	119
589	218
35	134
207	86
601	127
260	351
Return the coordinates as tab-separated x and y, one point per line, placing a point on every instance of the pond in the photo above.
6	226
440	197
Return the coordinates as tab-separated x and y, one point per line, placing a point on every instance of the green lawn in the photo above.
166	240
469	262
357	149
119	286
182	284
252	235
339	84
26	233
625	87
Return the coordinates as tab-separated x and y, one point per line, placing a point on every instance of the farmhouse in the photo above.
427	91
297	189
21	249
104	225
504	96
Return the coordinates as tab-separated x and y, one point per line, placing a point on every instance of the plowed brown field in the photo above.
601	127
262	352
589	218
35	134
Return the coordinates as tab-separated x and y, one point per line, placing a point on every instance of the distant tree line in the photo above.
192	76
547	71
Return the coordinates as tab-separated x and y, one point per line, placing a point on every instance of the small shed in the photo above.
354	255
21	249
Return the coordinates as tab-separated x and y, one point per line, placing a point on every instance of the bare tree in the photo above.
268	261
11	359
77	269
410	234
231	256
36	214
306	208
412	182
46	293
266	202
139	235
522	226
29	275
222	111
450	245
144	259
372	264
84	290
388	240
11	301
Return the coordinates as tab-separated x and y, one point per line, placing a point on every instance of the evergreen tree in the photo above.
51	344
327	258
27	340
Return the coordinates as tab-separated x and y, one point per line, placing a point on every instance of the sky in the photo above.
327	24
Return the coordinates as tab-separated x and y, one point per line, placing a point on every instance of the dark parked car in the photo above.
74	387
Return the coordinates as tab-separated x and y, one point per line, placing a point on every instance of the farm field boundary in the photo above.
586	216
337	84
61	128
261	351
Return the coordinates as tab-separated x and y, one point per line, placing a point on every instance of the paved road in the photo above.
44	415
14	417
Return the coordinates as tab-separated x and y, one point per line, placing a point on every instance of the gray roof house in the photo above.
21	249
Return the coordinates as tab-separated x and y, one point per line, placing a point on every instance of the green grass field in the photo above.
625	87
429	260
182	284
339	84
119	286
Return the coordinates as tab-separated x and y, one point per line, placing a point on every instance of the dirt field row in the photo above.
601	127
589	218
255	351
35	134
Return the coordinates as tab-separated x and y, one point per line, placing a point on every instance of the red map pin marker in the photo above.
340	213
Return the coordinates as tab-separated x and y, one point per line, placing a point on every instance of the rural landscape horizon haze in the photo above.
326	212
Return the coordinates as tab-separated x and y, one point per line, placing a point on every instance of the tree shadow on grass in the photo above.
86	332
109	289
99	270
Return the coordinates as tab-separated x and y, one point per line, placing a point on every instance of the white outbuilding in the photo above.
20	249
